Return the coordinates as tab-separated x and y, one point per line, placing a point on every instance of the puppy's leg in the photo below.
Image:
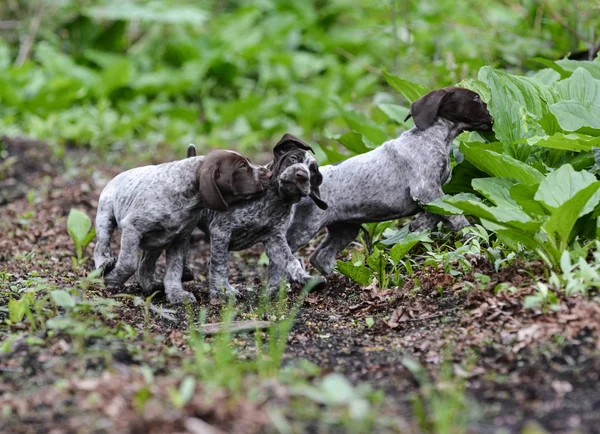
128	260
218	279
281	259
339	236
173	288
145	272
105	225
426	193
305	224
425	221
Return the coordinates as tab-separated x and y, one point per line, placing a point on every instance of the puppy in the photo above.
393	180
157	207
265	218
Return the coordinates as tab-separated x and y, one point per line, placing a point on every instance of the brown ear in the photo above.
425	109
191	152
288	142
209	192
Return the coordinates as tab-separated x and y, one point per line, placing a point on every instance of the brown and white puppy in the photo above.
265	218
157	207
393	180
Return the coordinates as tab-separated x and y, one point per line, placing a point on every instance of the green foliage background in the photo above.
145	75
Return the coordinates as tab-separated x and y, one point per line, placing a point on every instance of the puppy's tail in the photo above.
191	152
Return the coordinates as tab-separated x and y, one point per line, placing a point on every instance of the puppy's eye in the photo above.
476	98
293	159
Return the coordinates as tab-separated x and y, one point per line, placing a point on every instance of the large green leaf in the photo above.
581	86
496	190
573	115
571	65
353	141
568	142
561	185
510	95
410	90
477	86
506	215
523	195
499	165
563	218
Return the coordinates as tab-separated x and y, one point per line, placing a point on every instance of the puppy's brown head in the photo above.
460	106
226	177
296	171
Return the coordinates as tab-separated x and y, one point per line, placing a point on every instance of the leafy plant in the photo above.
383	265
81	231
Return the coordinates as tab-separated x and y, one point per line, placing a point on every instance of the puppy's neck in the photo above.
441	128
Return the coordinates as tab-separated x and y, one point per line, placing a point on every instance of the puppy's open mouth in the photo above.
290	186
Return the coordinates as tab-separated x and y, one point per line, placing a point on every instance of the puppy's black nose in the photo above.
301	176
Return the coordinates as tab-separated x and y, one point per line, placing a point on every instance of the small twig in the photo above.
27	43
234	327
556	17
8	25
351	56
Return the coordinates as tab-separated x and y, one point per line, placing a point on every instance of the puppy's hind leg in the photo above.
105	225
339	236
173	288
127	261
145	272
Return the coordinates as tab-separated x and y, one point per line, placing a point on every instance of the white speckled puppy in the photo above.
393	180
265	219
157	207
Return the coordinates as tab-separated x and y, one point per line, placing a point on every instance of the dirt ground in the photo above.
523	370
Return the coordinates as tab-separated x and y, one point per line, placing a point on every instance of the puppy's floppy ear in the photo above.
425	109
191	152
209	191
315	194
288	142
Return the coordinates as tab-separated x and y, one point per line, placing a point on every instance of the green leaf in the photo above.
395	112
477	86
359	273
561	185
524	195
62	298
554	66
571	65
410	90
353	142
567	142
370	321
509	95
499	165
78	226
370	130
496	190
401	249
573	115
16	309
186	389
506	215
563	218
581	86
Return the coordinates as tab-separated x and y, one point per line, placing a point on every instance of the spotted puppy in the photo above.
157	207
265	218
391	181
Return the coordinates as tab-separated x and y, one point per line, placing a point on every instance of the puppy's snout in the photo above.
301	176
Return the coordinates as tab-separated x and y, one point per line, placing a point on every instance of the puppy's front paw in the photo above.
107	266
155	286
181	297
217	290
